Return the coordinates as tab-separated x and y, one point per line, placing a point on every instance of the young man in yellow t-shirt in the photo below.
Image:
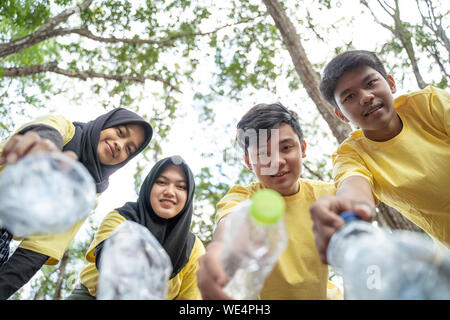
400	155
276	159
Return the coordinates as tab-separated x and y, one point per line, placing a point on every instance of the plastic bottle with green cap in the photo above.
254	237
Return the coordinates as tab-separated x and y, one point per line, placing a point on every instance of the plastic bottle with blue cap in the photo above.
391	265
254	237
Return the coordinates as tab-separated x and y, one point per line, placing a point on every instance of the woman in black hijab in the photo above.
85	140
102	145
165	207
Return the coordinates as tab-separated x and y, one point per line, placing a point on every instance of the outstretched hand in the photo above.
325	213
211	277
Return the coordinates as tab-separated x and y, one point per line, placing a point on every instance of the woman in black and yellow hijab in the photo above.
102	145
165	207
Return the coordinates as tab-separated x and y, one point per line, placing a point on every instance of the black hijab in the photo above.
86	138
173	234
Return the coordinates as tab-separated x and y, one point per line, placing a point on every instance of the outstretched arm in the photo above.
33	139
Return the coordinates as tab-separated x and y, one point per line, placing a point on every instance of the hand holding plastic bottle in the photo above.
254	237
327	221
44	193
211	276
381	264
29	143
244	251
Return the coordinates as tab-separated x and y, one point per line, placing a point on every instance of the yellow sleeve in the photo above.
64	126
440	107
321	188
110	223
234	196
347	163
188	288
53	245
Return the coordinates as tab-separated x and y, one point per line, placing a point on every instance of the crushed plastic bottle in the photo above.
133	266
254	237
379	265
45	193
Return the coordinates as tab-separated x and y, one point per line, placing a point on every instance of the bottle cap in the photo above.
349	216
267	206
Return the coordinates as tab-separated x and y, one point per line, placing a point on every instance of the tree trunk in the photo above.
61	273
308	76
310	81
388	216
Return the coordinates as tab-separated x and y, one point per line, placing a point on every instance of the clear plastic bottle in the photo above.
378	264
133	266
44	193
254	237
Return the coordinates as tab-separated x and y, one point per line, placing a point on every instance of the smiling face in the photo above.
169	192
278	165
116	144
365	98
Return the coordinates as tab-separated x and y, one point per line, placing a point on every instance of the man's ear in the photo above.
303	144
339	114
391	82
247	163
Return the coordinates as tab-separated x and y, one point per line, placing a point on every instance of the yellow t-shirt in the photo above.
52	245
409	172
299	273
181	287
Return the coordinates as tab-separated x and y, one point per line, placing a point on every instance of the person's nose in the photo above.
366	97
118	145
277	161
169	191
280	159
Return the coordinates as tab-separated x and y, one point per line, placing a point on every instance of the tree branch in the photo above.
434	25
385	9
27	41
83	75
63	16
403	35
42	33
314	173
363	2
387	5
165	42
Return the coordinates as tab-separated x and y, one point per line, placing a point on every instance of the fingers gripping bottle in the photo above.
254	237
389	265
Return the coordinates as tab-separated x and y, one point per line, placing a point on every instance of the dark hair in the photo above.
345	62
266	116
